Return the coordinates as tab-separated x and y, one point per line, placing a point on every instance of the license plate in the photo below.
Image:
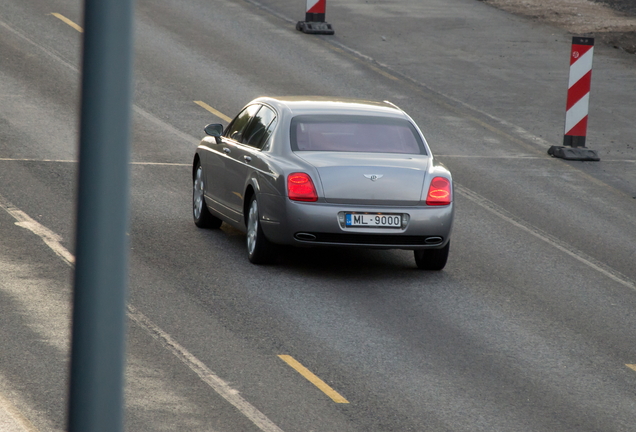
373	220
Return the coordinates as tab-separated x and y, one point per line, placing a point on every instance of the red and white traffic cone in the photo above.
578	102
315	19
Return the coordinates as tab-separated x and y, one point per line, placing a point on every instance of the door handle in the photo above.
247	158
226	150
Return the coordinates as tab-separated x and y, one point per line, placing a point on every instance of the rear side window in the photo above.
258	131
264	141
355	134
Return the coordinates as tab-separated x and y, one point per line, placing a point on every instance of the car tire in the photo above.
202	216
259	249
432	259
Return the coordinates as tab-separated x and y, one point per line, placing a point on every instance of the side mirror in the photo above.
215	130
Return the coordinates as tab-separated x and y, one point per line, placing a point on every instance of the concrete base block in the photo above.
574	153
315	27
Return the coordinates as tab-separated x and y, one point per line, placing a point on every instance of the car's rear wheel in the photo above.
202	216
259	249
432	259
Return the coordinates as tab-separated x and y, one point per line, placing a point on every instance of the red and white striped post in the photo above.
578	102
578	92
315	10
315	19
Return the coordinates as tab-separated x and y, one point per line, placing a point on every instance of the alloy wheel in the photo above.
197	201
252	227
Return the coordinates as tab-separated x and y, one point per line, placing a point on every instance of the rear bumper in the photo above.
317	224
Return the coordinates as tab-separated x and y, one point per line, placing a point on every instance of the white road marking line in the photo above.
17	421
490	157
217	384
517	157
161	164
51	239
272	11
187	164
221	387
519	131
136	109
152	119
551	240
37	160
43	49
74	161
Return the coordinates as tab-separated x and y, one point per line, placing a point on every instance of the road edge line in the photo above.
593	263
207	376
19	418
218	385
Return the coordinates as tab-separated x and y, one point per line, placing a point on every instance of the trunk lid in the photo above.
370	178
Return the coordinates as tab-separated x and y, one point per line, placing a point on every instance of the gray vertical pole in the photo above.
97	363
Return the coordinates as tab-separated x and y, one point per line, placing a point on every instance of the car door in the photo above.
217	163
213	165
248	157
233	152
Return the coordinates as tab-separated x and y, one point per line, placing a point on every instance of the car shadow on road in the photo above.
337	262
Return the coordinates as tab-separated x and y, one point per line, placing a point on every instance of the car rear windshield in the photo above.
346	133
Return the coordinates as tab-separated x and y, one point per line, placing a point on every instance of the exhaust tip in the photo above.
305	237
433	240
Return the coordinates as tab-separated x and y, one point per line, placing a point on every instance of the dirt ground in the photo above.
611	21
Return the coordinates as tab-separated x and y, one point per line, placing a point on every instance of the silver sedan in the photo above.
311	171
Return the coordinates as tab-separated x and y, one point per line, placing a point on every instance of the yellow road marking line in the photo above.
337	398
631	366
68	21
219	114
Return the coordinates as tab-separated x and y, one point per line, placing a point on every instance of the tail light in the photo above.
439	193
301	188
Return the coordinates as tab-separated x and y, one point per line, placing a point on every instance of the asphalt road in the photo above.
530	327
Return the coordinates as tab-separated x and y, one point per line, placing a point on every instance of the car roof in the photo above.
302	105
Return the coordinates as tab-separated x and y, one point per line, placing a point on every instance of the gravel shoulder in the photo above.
612	22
